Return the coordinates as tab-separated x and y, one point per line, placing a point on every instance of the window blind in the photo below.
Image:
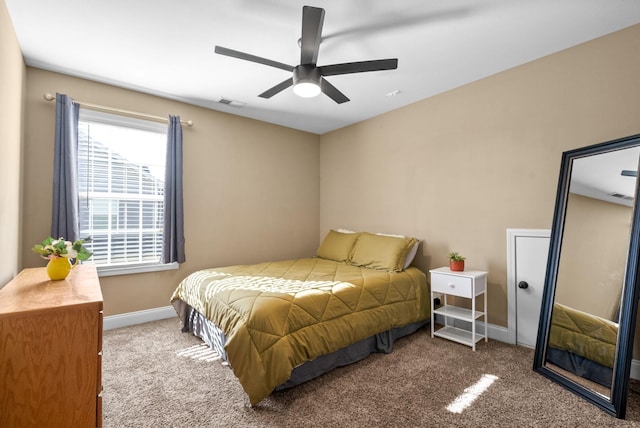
121	164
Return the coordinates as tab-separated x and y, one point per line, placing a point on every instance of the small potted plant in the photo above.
60	253
456	262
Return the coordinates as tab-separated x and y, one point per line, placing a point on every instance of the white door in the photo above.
528	253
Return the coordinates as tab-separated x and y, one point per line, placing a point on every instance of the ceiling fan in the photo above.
308	78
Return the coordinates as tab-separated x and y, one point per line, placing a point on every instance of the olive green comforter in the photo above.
278	315
583	334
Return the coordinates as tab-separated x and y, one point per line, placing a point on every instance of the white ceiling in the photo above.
599	176
166	47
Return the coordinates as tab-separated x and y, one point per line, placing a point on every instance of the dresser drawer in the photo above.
451	284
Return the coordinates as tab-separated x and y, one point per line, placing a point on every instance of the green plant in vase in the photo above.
60	254
456	262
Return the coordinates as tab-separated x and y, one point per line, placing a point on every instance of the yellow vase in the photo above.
59	268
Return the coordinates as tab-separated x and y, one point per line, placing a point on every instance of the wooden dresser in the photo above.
51	350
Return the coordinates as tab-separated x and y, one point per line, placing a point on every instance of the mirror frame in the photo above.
617	402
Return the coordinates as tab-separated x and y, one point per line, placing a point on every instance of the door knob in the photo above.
523	284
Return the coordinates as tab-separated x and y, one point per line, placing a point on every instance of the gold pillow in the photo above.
381	251
337	246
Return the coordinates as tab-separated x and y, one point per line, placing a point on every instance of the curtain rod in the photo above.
51	97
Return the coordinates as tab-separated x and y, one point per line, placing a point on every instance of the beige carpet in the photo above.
151	381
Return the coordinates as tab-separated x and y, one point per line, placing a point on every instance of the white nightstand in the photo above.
468	284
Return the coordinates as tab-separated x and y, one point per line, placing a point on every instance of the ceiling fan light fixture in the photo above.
306	81
306	89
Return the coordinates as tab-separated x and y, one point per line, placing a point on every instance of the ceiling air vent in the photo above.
232	103
621	196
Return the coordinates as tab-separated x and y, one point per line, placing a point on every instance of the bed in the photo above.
281	323
583	344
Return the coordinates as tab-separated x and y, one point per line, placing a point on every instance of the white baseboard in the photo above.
499	333
635	370
139	317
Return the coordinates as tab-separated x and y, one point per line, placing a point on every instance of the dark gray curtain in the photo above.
173	208
64	219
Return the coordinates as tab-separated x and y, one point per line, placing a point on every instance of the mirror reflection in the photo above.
584	320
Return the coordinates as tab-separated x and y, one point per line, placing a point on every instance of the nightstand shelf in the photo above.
466	284
458	313
459	335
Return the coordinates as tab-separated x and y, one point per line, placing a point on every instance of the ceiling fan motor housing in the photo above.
304	73
306	80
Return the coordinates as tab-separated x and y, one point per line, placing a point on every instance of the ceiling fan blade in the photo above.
277	89
248	57
312	21
629	173
359	67
332	92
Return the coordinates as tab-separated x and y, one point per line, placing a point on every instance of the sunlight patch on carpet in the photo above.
200	352
471	393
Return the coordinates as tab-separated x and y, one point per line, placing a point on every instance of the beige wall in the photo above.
455	170
251	188
595	242
12	81
458	169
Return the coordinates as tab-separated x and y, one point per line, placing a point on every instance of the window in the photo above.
121	165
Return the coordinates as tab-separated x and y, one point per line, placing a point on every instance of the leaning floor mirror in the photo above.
590	299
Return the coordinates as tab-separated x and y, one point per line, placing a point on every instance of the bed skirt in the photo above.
201	327
581	366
